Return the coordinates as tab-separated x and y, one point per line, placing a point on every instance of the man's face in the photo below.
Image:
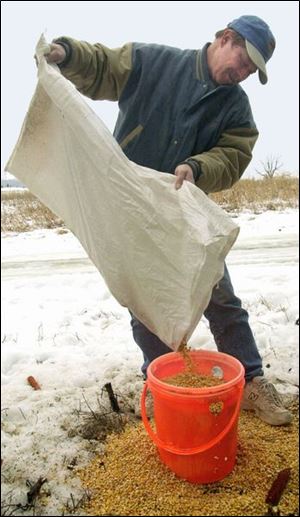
232	64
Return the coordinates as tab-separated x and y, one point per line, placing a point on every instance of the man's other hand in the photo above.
56	55
183	172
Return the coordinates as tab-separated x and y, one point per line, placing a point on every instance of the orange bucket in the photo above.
196	428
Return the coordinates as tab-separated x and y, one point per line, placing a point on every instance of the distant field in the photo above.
264	194
21	211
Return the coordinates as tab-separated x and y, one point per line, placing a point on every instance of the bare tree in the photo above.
270	166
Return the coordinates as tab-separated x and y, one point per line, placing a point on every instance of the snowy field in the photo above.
61	325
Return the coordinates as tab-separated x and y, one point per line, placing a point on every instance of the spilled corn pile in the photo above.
129	479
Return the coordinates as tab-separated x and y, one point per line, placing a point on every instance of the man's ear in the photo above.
226	36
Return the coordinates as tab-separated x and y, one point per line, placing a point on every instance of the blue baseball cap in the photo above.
259	40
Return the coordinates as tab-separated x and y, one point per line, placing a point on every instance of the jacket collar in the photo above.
202	71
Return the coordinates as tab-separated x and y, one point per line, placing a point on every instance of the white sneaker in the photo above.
262	397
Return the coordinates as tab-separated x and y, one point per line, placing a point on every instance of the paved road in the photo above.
265	250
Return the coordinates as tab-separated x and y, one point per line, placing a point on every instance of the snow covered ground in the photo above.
61	325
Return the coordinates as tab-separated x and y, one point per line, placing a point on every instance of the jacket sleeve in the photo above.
97	71
224	164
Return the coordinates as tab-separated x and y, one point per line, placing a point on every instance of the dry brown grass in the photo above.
21	211
255	194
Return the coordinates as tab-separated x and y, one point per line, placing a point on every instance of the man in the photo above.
183	112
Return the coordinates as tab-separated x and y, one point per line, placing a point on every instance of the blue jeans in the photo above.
228	322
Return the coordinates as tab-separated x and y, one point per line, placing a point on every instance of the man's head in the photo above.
259	40
241	49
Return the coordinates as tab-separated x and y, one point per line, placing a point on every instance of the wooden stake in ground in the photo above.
112	398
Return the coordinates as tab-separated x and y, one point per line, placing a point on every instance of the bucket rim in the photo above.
186	390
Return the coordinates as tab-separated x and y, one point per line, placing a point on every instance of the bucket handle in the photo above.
184	452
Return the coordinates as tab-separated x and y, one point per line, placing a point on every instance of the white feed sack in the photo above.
160	250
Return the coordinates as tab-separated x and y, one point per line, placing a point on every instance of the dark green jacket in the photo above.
170	109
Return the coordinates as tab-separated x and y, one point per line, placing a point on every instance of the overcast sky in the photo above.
181	24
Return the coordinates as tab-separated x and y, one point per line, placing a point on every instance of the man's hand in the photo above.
56	55
183	172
